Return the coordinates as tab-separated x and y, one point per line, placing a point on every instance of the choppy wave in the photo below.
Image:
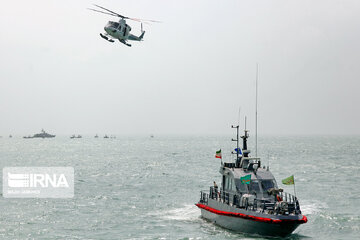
124	193
310	207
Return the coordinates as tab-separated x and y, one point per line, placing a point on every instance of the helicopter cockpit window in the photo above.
113	24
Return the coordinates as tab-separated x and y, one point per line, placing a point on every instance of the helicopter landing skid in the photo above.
127	44
106	38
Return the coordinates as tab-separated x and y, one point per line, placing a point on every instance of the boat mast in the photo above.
245	152
256	104
237	141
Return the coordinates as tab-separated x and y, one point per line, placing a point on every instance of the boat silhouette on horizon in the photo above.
43	134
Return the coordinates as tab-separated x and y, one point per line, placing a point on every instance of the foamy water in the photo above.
185	213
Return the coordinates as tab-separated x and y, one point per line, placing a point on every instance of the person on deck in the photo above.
216	189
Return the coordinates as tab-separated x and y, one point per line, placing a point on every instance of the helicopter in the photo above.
120	30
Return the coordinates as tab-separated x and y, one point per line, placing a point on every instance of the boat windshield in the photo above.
254	186
267	184
241	186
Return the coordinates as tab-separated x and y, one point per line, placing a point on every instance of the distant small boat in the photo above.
96	136
73	136
27	136
10	136
152	136
106	136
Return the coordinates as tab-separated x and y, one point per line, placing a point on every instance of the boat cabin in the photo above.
262	181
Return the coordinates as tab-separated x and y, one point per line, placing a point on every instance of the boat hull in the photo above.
250	226
241	220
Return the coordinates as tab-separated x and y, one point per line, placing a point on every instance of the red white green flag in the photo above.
218	154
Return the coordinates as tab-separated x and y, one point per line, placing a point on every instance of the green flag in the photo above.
246	179
289	180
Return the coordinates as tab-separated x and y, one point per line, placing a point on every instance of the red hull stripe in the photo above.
250	217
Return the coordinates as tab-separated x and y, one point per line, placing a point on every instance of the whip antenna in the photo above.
256	103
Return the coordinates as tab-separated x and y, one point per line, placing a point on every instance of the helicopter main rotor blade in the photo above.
103	12
144	20
119	15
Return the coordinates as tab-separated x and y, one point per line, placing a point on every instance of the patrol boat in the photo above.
249	199
43	134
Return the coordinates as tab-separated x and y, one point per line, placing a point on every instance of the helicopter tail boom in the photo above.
142	35
136	38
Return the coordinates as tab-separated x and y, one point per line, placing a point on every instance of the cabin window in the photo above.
267	184
233	185
254	186
241	186
223	182
230	183
226	183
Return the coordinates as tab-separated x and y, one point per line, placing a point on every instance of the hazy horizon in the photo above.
228	134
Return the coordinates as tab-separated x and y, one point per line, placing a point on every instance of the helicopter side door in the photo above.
123	31
126	30
120	29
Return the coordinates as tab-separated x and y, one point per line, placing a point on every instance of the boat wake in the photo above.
186	213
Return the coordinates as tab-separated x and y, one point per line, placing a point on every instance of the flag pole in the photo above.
294	186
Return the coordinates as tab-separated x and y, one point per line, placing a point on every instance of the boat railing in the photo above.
284	203
287	197
204	196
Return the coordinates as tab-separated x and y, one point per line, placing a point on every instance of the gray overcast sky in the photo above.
189	76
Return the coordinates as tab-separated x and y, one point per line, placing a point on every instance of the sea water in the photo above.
140	187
